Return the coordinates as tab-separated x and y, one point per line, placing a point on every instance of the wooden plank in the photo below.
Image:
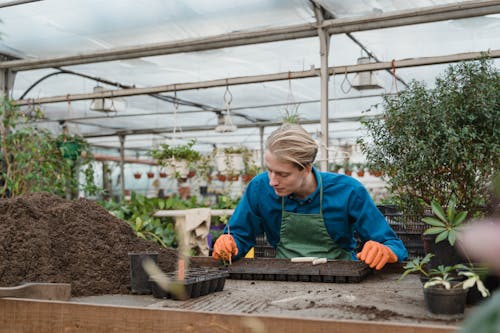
26	316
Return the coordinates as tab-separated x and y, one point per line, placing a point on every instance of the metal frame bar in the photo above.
335	26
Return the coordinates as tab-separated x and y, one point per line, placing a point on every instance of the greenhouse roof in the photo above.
176	70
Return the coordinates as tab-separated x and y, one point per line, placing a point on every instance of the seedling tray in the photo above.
197	282
337	271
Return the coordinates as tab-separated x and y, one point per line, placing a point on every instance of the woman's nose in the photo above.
272	179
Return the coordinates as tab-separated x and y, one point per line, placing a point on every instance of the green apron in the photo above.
305	235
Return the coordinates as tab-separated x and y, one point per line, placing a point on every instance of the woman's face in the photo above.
284	177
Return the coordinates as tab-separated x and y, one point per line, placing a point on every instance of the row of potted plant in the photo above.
445	275
360	169
182	159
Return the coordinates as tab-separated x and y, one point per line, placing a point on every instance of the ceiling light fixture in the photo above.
105	104
365	80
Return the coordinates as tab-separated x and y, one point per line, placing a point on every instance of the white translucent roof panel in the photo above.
70	27
61	28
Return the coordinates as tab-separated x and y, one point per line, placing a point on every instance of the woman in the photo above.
307	213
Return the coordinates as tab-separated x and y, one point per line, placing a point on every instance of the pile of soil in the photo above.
44	238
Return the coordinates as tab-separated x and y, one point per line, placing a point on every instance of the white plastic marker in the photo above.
318	261
303	259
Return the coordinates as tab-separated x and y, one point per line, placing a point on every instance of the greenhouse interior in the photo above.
167	114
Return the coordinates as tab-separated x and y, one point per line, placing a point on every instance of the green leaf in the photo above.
452	237
442	236
438	211
451	208
434	230
433	221
459	218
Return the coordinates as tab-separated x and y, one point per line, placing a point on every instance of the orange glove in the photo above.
376	255
224	247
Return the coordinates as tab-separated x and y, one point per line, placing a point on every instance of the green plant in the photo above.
167	152
205	167
460	275
34	160
417	265
456	276
180	158
445	225
432	142
290	116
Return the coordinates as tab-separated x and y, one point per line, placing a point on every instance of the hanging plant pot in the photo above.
246	178
70	150
233	178
177	168
361	173
221	177
191	173
376	173
348	172
445	301
229	163
137	175
151	174
163	174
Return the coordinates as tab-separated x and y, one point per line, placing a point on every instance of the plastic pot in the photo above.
445	301
444	253
139	278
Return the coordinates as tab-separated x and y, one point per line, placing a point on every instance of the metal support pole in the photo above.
122	165
261	132
324	39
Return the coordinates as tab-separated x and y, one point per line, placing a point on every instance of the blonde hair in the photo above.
292	143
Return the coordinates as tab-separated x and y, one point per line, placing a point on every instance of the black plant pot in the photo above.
444	253
445	301
139	278
203	190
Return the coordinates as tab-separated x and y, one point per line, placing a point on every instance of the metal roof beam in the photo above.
143	131
335	26
413	62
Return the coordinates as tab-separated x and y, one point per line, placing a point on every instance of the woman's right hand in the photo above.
224	248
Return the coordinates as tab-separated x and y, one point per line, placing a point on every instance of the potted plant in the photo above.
360	169
204	171
440	237
430	142
231	160
177	159
446	291
150	174
445	287
251	170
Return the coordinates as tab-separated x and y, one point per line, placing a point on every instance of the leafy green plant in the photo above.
181	158
445	225
180	152
138	212
460	275
34	160
417	265
449	277
432	142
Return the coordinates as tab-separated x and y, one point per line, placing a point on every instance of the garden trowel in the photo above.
38	290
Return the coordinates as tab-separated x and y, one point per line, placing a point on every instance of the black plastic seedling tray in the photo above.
197	282
337	271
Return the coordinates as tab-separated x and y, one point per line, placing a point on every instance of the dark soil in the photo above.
44	238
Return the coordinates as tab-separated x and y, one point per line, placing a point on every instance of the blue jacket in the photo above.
347	207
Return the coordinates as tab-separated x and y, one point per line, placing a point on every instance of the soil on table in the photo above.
44	238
